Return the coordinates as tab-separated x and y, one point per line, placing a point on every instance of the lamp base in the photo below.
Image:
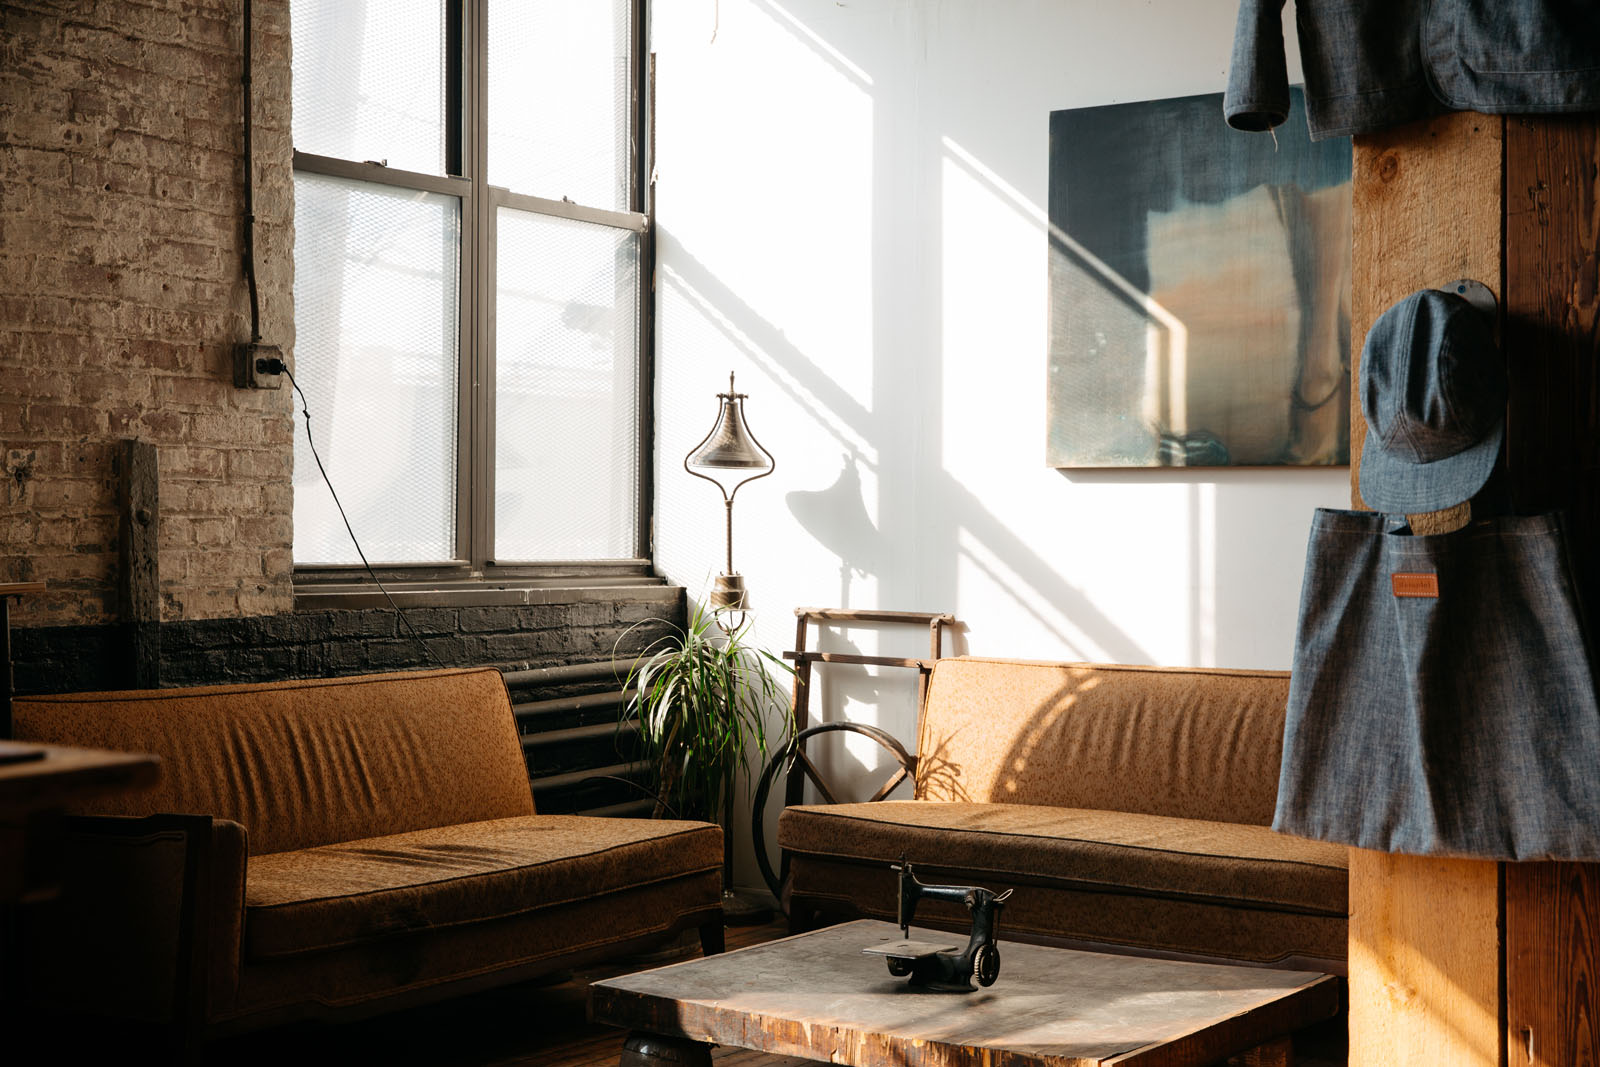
728	593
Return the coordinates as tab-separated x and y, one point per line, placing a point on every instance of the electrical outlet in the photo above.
251	363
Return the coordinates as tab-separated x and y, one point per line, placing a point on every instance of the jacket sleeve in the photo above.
1258	78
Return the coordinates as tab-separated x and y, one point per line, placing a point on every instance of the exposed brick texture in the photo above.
313	644
122	294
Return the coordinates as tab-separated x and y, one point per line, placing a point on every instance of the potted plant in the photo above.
700	698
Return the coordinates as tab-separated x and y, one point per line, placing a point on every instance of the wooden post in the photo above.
139	573
1552	303
1425	945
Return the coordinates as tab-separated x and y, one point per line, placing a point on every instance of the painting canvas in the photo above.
1199	289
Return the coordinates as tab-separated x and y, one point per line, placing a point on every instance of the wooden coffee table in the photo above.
818	996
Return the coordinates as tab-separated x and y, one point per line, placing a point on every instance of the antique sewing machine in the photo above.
942	967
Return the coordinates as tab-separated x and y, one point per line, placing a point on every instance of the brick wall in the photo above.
583	626
121	296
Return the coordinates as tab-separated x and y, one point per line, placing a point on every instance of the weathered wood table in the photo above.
818	996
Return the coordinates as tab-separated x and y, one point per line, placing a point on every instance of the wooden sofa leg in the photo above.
711	937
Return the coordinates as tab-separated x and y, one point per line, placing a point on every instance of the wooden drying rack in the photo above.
792	758
800	704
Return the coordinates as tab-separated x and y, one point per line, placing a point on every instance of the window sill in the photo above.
336	589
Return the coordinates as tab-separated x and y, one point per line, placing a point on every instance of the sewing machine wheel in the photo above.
986	965
899	967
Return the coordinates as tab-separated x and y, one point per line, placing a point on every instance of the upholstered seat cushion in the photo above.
1146	853
1218	889
345	894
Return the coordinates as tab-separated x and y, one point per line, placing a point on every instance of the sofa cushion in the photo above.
1096	879
391	972
1125	851
339	895
1191	742
309	762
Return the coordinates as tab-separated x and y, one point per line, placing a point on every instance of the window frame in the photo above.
466	179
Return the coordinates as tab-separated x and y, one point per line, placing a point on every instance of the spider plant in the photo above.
701	699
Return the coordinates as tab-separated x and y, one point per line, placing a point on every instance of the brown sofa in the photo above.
337	847
1128	806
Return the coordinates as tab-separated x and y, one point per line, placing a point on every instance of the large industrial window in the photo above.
470	241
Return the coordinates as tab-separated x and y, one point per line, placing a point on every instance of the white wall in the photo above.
851	207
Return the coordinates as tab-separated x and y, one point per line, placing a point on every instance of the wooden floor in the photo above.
530	1026
527	1025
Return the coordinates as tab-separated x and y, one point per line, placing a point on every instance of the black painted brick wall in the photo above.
321	644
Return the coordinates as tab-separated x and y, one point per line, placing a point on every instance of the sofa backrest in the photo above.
1196	743
313	762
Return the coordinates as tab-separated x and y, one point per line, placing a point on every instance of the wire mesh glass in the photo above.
369	81
560	92
566	390
376	309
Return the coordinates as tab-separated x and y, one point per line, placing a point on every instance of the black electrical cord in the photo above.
306	411
249	192
278	365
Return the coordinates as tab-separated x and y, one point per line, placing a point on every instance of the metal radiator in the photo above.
582	757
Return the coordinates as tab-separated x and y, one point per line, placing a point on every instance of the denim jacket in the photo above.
1375	63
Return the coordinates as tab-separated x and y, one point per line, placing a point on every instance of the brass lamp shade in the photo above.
730	446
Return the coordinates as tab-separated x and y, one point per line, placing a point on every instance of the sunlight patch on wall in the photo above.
785	220
992	334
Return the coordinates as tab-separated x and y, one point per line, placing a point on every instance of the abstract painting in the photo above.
1199	289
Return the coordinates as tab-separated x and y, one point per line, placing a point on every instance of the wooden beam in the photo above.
1552	340
1552	326
1424	961
1552	964
1425	950
139	574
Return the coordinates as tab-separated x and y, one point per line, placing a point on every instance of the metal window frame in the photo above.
466	165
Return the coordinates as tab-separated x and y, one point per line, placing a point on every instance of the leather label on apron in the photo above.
1424	585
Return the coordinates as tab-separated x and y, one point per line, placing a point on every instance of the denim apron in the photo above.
1442	700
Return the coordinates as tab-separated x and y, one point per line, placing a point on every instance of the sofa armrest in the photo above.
147	925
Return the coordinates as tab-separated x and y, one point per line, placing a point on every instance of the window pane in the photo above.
375	296
369	80
566	390
559	89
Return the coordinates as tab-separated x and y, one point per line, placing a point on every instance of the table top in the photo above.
60	776
818	995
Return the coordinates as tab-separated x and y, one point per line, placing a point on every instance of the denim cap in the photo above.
1433	390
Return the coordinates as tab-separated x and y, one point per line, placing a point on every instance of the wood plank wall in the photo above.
1463	962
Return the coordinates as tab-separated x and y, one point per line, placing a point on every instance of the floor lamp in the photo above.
732	455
